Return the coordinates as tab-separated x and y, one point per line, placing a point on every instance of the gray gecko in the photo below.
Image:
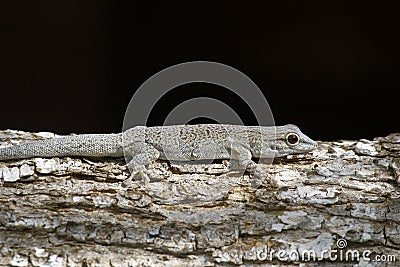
144	145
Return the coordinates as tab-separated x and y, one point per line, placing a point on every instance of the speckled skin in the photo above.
144	145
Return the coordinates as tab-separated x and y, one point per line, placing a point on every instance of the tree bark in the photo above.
341	199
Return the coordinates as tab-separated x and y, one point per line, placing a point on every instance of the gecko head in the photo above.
290	140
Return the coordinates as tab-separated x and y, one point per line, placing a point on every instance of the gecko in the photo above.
144	145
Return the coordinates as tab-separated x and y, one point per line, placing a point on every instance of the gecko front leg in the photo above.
243	157
142	154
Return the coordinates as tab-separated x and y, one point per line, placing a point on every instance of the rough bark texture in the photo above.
343	197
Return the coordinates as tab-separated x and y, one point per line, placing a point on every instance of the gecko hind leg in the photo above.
144	154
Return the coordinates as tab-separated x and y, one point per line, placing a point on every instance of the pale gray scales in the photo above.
144	145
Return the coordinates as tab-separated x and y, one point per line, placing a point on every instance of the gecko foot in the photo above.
260	175
139	176
234	169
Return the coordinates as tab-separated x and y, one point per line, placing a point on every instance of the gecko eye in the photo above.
292	139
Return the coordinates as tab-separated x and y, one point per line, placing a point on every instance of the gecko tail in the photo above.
91	145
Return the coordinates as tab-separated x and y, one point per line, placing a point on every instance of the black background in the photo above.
331	67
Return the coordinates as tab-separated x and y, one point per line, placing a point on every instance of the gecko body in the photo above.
143	145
